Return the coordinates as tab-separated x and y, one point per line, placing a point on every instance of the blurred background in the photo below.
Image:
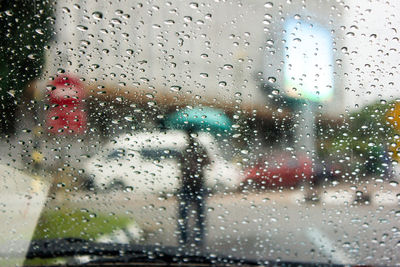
315	78
308	89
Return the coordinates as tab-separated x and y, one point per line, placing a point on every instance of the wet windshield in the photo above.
226	131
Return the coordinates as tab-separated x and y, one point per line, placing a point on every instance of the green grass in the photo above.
79	223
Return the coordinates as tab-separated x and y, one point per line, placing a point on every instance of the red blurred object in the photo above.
66	120
66	90
279	171
67	114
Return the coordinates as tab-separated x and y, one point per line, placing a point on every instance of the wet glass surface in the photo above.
262	131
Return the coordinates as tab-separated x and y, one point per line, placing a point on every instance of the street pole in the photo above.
306	142
306	128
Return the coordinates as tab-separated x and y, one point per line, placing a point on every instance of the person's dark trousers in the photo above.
186	200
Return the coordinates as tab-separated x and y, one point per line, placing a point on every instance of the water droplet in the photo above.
175	88
275	92
169	22
187	19
269	5
9	13
39	31
81	28
128	118
66	10
129	189
228	66
116	21
194	5
97	15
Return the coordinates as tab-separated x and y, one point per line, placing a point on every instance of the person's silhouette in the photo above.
193	160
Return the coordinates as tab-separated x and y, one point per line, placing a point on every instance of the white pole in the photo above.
306	129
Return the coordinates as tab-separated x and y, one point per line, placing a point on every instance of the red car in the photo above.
282	170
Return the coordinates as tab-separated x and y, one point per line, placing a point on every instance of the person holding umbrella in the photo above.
193	161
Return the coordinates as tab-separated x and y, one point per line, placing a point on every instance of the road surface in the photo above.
273	225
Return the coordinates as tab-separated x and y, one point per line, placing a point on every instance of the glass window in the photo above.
199	132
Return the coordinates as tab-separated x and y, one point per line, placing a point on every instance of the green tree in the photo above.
366	136
26	28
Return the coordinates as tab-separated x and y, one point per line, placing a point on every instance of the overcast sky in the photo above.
373	46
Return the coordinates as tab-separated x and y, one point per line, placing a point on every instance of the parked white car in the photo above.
147	162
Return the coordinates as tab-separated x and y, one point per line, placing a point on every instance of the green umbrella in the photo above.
200	119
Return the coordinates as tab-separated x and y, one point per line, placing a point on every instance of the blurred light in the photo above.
308	61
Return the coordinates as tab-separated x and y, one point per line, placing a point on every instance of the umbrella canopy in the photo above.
200	119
